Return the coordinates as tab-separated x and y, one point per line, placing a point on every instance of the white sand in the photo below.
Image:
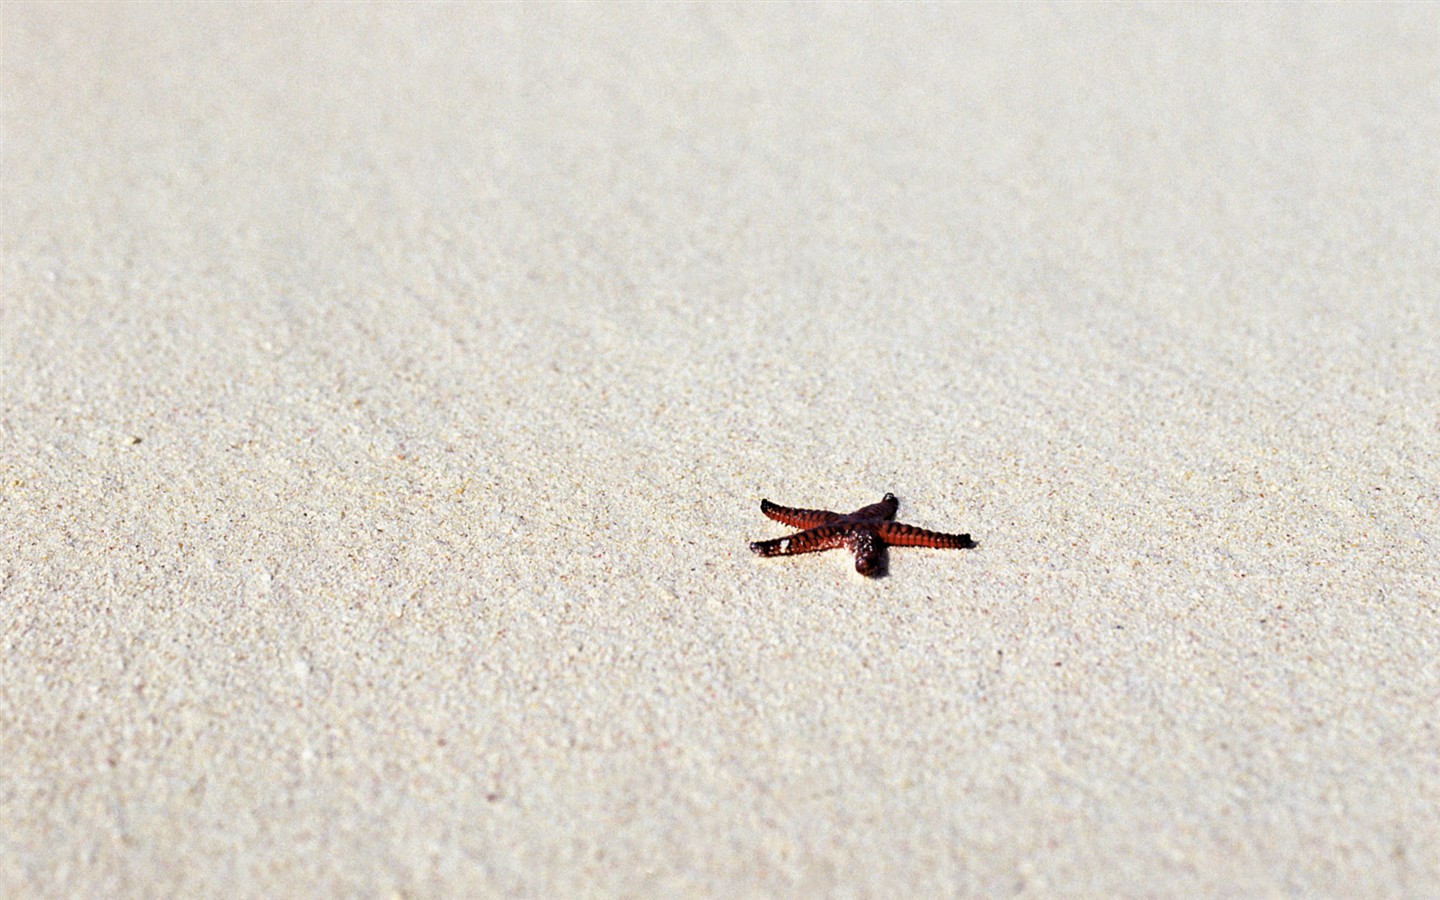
388	395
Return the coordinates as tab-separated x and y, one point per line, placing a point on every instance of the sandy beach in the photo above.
387	395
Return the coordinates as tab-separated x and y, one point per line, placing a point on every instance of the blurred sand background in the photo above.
387	394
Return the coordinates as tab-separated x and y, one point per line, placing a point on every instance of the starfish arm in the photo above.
821	538
797	518
885	509
869	550
898	535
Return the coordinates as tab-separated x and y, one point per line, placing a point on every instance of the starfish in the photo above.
865	532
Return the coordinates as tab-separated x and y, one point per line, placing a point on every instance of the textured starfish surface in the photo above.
865	532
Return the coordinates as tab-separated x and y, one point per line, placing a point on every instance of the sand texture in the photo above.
387	395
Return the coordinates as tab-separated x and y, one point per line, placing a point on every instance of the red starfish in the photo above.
865	532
